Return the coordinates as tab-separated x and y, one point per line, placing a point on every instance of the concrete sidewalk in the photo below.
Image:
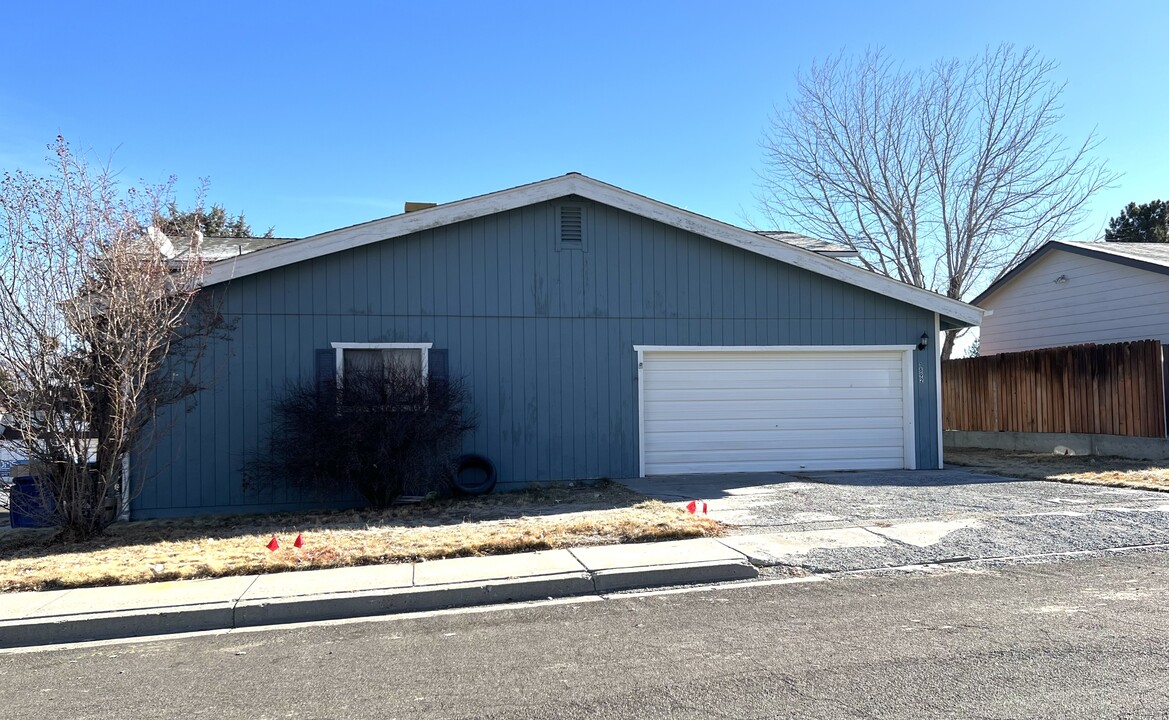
64	616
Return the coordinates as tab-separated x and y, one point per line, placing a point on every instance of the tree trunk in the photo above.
948	344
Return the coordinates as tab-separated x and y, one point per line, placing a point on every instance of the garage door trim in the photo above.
909	431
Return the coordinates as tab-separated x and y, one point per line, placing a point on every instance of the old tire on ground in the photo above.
474	475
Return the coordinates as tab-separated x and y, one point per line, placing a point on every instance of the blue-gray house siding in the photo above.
544	335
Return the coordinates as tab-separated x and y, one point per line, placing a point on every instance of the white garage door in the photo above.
763	410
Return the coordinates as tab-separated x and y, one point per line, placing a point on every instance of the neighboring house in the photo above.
214	248
8	455
1069	293
601	333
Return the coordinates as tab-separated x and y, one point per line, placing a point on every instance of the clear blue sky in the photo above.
310	117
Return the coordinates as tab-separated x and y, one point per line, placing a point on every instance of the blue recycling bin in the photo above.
27	508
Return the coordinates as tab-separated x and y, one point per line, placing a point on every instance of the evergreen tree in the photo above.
212	222
1144	223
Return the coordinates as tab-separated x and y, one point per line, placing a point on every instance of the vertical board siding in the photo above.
545	338
1115	389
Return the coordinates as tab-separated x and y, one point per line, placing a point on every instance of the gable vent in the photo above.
571	225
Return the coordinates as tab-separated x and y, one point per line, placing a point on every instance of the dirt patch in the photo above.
541	519
1085	469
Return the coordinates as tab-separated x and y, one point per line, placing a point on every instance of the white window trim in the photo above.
341	347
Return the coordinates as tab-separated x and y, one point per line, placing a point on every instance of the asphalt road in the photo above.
1086	638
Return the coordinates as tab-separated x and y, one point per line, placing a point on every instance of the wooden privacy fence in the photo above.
1116	389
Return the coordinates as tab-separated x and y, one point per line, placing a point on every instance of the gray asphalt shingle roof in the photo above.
1157	253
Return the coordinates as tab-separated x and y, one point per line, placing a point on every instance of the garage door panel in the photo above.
825	419
822	423
737	411
765	365
696	455
791	394
787	377
794	458
806	464
800	438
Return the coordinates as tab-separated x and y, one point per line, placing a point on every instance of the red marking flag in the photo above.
273	544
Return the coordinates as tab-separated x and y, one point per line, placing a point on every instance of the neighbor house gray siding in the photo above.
1094	301
544	337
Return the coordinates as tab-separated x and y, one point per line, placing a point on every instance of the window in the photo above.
388	357
405	368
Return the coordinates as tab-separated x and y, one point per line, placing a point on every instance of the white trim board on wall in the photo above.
938	381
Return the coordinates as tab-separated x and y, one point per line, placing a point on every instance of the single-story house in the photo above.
601	333
1069	293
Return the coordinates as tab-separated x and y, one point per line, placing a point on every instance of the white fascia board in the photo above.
597	191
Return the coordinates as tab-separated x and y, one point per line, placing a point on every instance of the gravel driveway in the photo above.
862	520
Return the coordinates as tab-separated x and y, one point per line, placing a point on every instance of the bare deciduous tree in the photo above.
101	321
942	178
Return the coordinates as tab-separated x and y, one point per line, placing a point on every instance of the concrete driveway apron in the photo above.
862	520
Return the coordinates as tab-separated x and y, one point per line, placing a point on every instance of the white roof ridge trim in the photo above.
575	184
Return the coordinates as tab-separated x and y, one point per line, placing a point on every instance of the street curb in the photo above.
232	614
681	574
109	626
314	608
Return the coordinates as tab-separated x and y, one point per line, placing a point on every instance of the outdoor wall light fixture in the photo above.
924	342
1061	279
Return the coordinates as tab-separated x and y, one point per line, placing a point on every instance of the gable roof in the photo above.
1153	257
958	314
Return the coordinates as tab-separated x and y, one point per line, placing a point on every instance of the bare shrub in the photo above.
381	432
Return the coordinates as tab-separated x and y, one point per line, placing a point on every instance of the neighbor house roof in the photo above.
957	314
219	248
816	245
1153	257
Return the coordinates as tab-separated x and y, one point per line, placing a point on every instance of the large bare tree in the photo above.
99	317
942	177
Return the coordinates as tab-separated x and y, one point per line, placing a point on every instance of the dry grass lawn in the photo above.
1086	469
539	519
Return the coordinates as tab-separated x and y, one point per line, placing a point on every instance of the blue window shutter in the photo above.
326	368
438	371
